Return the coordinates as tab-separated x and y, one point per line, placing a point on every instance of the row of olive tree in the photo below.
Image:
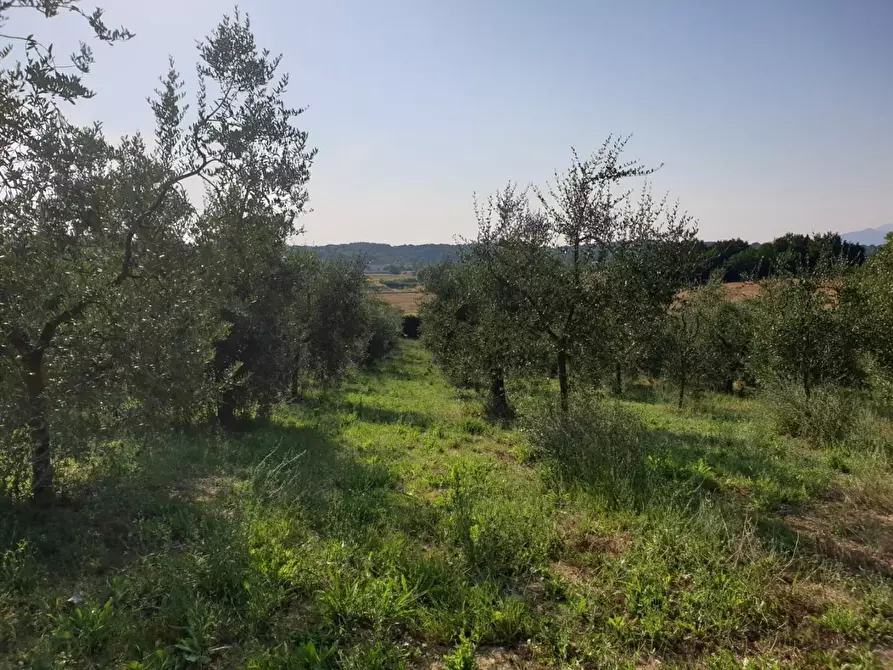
826	324
576	285
121	302
592	286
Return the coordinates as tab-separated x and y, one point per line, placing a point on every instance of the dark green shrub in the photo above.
384	331
411	326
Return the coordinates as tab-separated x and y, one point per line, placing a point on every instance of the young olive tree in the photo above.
802	330
470	331
333	318
560	268
641	282
706	339
726	338
683	332
871	313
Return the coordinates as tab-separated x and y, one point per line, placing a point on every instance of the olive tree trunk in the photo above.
38	426
562	377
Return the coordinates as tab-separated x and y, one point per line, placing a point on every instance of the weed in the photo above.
83	628
362	602
18	572
462	657
472	426
302	656
599	443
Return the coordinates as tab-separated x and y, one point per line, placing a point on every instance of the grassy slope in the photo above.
385	524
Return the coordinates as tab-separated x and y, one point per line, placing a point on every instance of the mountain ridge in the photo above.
869	236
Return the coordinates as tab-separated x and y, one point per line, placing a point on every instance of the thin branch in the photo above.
49	330
18	339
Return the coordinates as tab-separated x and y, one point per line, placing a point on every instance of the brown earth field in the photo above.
408	301
737	291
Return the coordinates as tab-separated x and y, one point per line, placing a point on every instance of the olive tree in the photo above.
89	225
871	314
560	267
802	330
683	331
470	331
332	317
706	339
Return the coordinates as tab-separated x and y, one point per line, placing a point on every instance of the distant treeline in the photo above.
742	260
386	257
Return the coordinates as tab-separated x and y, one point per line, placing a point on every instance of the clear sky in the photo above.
769	115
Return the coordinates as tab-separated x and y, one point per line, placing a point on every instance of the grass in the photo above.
386	525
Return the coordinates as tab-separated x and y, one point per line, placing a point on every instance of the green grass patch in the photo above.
386	524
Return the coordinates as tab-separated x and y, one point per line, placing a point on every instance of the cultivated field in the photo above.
401	291
407	302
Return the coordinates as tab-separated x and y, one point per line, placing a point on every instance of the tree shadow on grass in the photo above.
332	403
727	457
393	373
796	510
709	405
381	415
644	393
165	489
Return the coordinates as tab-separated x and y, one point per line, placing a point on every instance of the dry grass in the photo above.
860	537
407	302
736	291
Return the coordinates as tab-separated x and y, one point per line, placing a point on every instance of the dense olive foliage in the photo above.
872	291
581	280
124	305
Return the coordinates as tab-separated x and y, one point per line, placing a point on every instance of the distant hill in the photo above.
378	255
869	236
742	260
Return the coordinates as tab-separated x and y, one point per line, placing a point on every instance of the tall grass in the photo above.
842	419
826	416
599	443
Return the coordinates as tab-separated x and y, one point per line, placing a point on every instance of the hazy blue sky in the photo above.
770	115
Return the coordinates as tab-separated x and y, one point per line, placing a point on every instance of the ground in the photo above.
738	291
407	302
387	525
401	291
